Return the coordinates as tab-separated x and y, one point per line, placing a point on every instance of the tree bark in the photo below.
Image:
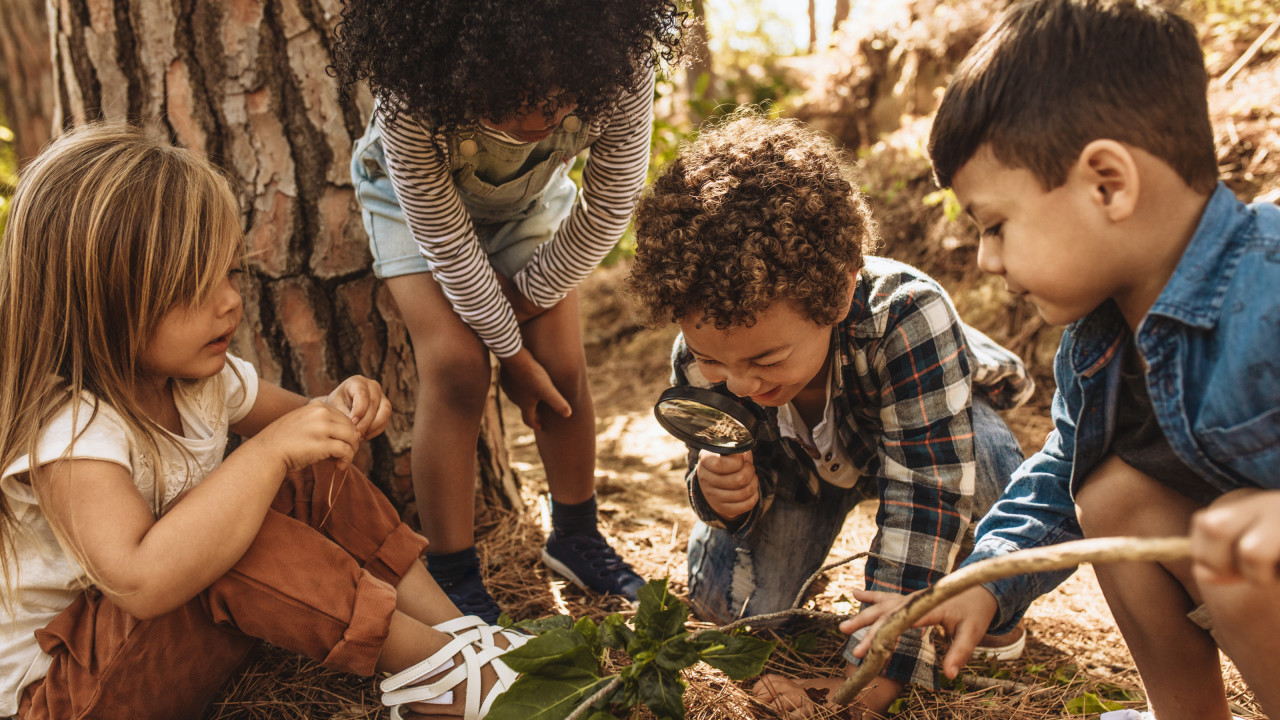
243	83
26	76
699	77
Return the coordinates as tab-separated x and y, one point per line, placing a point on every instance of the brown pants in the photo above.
326	591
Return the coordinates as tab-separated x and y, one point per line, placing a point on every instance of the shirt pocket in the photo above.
1250	449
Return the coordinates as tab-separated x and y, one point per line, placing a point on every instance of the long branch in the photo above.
1053	557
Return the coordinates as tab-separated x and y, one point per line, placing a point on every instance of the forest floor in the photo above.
1075	656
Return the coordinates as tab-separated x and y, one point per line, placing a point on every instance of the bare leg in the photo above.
1246	619
567	445
1177	659
453	383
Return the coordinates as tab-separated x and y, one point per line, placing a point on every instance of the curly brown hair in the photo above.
754	211
451	63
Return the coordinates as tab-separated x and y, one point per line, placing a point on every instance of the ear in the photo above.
1107	172
848	296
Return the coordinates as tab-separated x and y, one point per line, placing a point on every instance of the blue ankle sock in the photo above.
574	519
449	568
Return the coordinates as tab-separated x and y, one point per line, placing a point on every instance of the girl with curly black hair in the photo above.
482	237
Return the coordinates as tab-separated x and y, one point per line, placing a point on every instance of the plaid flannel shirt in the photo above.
904	367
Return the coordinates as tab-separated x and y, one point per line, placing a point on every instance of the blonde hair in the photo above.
109	229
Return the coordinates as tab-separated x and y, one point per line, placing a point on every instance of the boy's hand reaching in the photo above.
363	401
1237	539
527	383
728	483
965	617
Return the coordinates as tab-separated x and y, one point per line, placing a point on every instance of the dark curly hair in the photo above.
450	63
752	212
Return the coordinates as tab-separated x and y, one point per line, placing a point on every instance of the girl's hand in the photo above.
316	431
965	617
1237	539
523	307
729	483
527	383
363	401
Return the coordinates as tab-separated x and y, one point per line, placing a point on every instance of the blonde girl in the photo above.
140	566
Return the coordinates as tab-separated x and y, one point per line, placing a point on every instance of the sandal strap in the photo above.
476	645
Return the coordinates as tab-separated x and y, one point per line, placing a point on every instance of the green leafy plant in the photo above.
562	668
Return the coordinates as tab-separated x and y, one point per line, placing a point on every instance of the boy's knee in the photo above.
1110	498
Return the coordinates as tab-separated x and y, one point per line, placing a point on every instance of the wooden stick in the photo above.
1052	557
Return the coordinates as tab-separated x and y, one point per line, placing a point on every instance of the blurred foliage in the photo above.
8	170
1229	26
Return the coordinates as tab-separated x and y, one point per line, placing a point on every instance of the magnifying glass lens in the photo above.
707	420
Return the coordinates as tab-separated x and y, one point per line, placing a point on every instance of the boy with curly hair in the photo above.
867	383
1077	136
482	237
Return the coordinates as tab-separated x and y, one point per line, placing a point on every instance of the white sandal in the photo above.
473	639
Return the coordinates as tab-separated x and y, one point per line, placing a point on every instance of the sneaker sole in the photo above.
563	570
1012	651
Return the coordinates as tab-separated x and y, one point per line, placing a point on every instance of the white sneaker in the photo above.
1135	715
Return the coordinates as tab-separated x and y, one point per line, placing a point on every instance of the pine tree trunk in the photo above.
26	76
243	83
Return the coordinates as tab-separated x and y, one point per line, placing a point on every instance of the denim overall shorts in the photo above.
516	193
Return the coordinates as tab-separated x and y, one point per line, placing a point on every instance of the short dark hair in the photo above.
1054	75
753	212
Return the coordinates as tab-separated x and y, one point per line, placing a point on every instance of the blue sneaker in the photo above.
587	561
471	597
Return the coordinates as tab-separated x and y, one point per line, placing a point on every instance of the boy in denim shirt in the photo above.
1076	135
865	382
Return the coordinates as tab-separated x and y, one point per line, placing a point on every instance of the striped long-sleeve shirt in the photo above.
611	182
904	370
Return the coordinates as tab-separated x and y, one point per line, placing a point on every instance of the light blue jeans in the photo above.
790	542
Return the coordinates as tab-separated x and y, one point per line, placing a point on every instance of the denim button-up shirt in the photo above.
1212	346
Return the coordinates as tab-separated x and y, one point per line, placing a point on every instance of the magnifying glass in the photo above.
706	420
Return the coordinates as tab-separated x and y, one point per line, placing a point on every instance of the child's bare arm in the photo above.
151	566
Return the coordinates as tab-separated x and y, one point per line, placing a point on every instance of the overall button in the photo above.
468	147
571	124
835	467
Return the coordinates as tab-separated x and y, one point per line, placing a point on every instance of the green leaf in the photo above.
1088	703
805	644
677	654
556	653
541	625
738	656
662	691
897	706
664	624
614	632
601	715
589	632
532	697
654	599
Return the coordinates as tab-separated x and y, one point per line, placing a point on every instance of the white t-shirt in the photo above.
48	579
830	458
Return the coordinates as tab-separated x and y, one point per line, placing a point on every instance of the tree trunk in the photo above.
813	25
842	14
243	83
26	75
699	74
